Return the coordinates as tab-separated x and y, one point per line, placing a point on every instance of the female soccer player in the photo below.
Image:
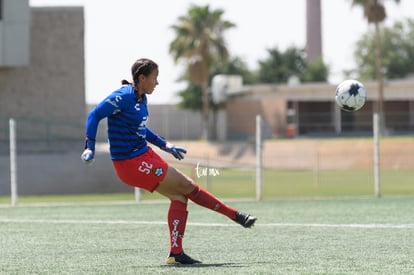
136	164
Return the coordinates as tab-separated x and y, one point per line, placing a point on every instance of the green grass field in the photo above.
306	184
325	222
292	236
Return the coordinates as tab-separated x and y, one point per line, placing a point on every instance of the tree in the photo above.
374	12
397	52
200	42
235	66
316	71
280	66
191	97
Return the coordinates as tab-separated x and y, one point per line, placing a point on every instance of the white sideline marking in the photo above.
366	226
345	225
81	221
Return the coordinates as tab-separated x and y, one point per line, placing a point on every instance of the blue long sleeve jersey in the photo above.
127	119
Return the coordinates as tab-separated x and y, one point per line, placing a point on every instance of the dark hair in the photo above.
141	66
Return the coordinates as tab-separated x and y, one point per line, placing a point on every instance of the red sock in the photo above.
177	220
205	199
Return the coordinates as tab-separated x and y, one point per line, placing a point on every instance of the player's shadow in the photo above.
202	265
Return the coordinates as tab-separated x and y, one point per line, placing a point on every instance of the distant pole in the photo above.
259	159
313	30
137	194
376	134
13	164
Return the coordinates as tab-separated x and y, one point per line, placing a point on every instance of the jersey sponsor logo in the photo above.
175	234
158	172
142	128
144	122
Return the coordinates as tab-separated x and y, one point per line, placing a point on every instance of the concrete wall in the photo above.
14	32
166	120
174	123
47	98
62	173
52	87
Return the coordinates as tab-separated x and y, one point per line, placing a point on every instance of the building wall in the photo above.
64	173
51	89
315	109
275	116
173	123
14	32
47	99
241	115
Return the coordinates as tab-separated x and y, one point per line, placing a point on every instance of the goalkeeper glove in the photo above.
88	155
177	152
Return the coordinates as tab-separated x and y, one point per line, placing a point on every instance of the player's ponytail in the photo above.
125	82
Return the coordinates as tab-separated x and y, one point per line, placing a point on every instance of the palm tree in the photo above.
374	12
200	43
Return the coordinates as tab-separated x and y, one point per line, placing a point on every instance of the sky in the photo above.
118	34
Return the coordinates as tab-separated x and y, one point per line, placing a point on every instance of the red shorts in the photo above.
145	171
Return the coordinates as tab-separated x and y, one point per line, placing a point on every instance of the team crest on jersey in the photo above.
158	172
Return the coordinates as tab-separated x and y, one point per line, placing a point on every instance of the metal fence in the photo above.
306	165
174	124
40	135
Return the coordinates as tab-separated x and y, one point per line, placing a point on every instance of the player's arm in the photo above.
159	141
108	106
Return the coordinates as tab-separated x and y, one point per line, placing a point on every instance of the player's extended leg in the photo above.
206	199
178	186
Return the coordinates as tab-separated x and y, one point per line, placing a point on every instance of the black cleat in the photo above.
181	258
245	220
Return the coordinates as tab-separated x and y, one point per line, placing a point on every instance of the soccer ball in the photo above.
350	95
